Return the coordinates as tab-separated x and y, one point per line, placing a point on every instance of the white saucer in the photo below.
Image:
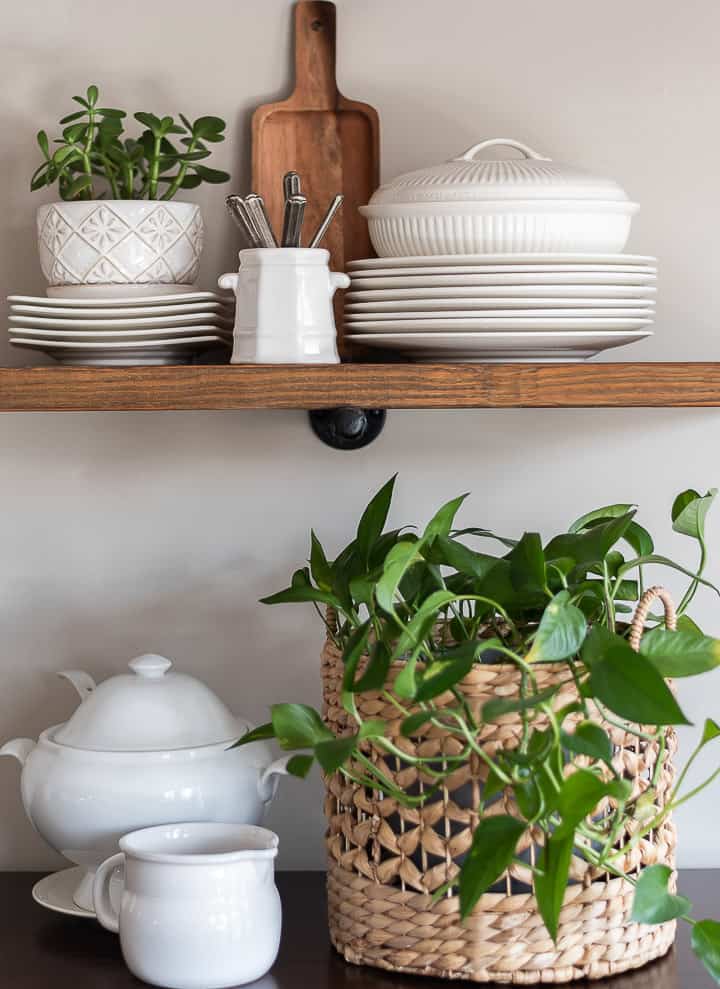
161	322
583	293
211	309
55	892
493	259
176	299
446	280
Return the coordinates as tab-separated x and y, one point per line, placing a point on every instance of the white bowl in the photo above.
116	247
501	226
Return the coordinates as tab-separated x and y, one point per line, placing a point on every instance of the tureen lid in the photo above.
468	179
148	709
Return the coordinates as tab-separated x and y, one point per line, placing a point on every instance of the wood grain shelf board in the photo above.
389	386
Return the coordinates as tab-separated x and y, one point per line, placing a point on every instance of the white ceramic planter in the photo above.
119	247
199	908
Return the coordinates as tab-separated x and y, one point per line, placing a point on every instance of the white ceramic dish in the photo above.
144	747
118	336
120	324
176	299
525	205
55	892
534	260
453	307
463	347
540	278
464	323
200	909
210	309
507	269
490	292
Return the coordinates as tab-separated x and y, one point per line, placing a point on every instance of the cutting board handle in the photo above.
315	83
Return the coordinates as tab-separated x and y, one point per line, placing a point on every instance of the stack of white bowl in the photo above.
512	259
109	331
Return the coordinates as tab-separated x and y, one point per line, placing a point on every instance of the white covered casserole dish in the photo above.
515	205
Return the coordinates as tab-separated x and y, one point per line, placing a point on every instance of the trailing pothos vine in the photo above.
563	602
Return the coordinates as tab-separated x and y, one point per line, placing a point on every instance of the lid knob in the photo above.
150	666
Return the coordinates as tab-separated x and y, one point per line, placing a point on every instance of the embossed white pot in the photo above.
119	247
145	748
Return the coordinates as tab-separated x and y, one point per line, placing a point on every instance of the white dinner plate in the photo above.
578	269
175	299
503	324
588	307
211	309
38	322
169	343
462	347
491	292
499	259
445	281
105	336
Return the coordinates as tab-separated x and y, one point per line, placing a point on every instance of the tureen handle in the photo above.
81	681
268	781
507	142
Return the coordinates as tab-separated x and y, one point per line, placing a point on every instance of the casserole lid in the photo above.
469	179
148	709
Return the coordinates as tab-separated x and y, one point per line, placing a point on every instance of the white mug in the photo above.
284	310
199	908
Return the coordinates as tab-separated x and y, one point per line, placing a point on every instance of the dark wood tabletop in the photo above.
44	950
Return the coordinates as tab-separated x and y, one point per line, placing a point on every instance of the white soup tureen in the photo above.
144	748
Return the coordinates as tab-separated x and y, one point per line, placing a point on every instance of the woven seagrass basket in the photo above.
386	860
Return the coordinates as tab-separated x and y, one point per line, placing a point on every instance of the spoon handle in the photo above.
327	220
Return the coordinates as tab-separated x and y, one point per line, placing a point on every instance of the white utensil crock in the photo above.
199	908
284	312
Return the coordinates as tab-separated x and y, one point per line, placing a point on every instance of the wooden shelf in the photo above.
383	386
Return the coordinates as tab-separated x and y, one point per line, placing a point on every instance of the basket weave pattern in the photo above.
386	860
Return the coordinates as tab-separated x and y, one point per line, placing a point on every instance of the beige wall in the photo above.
127	532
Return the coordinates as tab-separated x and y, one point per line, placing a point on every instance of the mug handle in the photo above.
104	910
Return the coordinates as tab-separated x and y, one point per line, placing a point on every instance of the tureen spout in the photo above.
81	681
20	748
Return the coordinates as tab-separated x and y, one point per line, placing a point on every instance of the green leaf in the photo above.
680	654
652	903
705	940
441	522
107	111
335	752
92	95
376	671
78	185
414	722
150	121
319	566
598	641
689	511
493	847
580	794
301	590
417	630
405	685
298	726
373	519
629	685
711	730
635	535
589	739
255	735
300	765
213	175
561	632
450	553
81	101
444	674
42	140
551	882
527	564
590	545
400	558
355	649
207	128
498	706
73	116
372	728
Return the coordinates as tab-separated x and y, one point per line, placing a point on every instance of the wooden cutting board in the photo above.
332	142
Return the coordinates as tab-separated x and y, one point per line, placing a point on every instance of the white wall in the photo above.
121	533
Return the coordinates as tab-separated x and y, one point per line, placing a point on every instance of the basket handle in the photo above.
637	625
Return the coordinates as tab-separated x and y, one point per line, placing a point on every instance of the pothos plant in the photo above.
533	603
93	158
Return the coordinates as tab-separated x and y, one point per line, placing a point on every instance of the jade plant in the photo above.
93	158
563	601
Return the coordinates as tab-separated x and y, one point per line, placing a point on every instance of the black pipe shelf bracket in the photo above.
347	428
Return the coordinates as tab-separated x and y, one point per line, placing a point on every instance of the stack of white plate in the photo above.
504	307
156	329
